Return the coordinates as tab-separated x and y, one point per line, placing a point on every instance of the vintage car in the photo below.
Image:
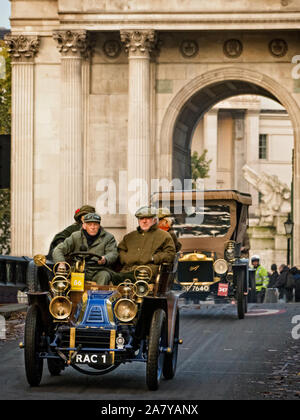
211	226
94	329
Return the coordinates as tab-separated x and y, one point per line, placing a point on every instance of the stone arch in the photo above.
214	86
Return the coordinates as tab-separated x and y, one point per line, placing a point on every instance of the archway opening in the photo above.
245	128
193	111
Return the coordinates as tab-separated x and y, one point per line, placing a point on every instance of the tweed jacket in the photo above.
104	246
152	248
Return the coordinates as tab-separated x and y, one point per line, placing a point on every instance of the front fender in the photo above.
42	300
169	303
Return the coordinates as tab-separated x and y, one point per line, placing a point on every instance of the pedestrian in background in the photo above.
261	278
285	283
296	274
273	277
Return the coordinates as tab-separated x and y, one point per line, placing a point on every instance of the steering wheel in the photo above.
85	254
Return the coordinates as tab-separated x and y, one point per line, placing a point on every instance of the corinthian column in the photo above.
74	46
22	50
138	45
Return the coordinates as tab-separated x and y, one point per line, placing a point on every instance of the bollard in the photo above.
2	328
271	296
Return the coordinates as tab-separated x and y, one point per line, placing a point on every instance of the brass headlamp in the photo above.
229	252
143	272
125	310
220	266
60	307
142	288
59	284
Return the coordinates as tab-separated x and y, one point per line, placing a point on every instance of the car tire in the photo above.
240	297
32	280
157	340
32	339
170	361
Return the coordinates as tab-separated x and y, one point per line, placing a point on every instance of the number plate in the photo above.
77	282
195	288
223	289
89	358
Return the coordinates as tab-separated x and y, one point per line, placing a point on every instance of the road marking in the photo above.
261	312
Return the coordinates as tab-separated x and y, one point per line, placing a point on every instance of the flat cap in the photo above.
82	211
146	211
92	217
163	212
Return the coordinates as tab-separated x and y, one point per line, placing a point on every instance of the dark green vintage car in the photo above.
212	228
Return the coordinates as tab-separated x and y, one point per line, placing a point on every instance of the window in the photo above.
214	221
262	148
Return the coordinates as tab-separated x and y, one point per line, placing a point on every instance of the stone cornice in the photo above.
73	43
22	48
138	42
183	21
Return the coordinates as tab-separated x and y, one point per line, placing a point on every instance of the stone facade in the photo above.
110	89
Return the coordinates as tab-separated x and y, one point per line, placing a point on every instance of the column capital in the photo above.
139	42
22	48
74	43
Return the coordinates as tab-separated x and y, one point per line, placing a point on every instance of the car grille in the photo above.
87	337
95	315
188	271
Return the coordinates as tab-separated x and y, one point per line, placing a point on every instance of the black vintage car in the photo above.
94	329
211	226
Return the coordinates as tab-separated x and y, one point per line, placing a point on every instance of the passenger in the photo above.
165	222
147	245
74	227
92	238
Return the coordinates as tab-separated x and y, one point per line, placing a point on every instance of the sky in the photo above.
4	13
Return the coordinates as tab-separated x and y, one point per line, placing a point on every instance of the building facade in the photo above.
225	132
112	91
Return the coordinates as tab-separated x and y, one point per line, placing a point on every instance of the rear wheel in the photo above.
32	339
156	354
32	277
170	362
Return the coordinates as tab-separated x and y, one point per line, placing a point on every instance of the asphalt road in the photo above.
221	358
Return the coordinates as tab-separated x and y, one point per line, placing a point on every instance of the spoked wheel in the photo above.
32	339
170	362
241	298
156	355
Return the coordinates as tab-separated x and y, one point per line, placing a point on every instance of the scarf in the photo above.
91	239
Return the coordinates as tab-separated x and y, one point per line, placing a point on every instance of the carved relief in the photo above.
21	47
189	48
138	42
278	47
233	48
275	195
112	48
74	43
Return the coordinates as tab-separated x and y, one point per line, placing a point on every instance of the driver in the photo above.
91	238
